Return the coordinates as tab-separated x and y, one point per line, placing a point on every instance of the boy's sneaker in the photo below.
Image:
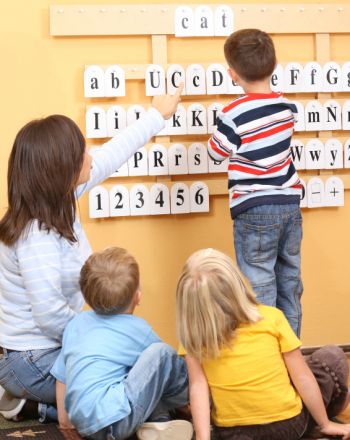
10	406
172	430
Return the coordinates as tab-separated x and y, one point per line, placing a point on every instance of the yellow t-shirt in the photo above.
249	382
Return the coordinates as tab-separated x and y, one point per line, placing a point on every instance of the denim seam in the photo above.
34	368
21	385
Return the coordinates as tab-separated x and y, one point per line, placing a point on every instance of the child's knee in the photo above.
334	357
160	350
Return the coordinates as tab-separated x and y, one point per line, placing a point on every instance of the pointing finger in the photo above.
179	90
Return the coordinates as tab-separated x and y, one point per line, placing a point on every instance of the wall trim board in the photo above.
150	19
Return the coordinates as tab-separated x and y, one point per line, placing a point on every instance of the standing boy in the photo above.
117	372
254	132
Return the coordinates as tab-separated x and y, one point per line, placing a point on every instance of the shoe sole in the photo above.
172	430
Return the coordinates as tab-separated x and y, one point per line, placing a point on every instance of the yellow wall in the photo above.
41	75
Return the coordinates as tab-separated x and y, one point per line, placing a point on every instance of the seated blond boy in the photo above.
117	372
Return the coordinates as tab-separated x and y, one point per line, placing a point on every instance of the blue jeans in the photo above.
26	374
267	242
157	383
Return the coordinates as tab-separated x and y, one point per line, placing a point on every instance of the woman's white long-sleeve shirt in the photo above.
39	275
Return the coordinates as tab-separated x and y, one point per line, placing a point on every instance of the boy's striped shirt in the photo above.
254	131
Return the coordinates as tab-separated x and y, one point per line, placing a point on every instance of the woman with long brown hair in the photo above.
43	246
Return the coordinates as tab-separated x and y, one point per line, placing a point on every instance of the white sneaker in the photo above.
172	430
10	406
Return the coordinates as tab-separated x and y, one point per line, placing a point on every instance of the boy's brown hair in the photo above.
109	280
251	53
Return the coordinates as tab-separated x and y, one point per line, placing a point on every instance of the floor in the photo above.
4	424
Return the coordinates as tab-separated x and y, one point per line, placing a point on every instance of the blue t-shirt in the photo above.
97	354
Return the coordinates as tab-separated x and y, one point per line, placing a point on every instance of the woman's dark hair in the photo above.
43	171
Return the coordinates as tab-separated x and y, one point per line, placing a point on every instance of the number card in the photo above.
96	125
315	192
299	124
346	77
303	196
332	115
334	192
177	124
197	158
313	77
223	21
155	80
212	114
184	22
94	82
314	116
114	81
195	80
180	199
347	154
119	205
133	113
218	167
174	76
203	21
332	76
314	154
98	202
158	160
122	172
199	197
298	154
293	77
159	199
138	163
233	88
196	119
216	79
333	150
177	158
277	79
116	120
346	115
139	200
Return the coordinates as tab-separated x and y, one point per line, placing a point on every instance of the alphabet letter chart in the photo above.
172	174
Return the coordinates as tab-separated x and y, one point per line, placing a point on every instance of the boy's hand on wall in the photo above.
167	104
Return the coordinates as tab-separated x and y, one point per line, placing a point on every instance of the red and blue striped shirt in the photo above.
254	131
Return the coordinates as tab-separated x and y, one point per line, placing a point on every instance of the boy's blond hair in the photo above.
213	298
109	280
251	53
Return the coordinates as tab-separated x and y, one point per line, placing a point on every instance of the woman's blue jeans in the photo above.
26	374
267	241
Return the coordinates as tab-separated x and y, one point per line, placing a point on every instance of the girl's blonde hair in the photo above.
213	298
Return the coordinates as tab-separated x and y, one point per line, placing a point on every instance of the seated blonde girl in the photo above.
246	358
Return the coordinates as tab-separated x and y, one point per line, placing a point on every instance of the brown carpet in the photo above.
49	431
32	429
